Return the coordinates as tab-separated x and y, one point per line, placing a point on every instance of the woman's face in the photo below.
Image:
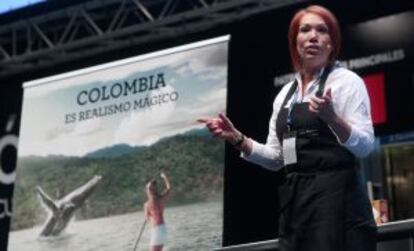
313	41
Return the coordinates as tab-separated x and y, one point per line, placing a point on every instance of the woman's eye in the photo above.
304	29
323	29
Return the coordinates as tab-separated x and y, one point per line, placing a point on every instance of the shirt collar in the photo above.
315	77
318	75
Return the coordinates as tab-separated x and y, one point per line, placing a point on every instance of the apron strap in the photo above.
322	81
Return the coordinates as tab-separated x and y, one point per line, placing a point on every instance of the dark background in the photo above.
258	53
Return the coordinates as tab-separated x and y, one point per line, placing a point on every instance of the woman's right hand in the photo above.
222	128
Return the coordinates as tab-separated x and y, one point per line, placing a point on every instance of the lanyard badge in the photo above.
289	148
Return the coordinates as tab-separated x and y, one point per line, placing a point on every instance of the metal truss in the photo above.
99	26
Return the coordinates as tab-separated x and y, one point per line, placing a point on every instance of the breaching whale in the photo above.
62	210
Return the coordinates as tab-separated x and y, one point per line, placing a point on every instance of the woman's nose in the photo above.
313	35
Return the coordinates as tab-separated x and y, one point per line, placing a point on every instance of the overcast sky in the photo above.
199	76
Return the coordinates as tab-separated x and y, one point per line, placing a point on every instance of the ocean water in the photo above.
195	227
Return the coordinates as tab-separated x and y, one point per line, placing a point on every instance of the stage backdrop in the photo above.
90	140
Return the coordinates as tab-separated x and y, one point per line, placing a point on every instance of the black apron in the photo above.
324	204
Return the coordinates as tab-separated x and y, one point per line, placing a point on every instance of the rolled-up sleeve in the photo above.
354	108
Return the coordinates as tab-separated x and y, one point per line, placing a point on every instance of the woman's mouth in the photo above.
312	49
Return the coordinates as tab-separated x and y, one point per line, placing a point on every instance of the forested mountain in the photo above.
193	161
113	151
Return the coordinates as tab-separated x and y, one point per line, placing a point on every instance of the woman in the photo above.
154	212
320	123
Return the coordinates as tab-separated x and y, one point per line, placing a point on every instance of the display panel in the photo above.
91	141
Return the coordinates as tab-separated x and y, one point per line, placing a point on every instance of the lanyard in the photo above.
321	84
294	100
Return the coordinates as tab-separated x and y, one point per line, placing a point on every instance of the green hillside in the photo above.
194	164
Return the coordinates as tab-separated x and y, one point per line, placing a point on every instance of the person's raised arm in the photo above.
167	184
354	127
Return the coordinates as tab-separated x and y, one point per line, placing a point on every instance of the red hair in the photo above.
334	32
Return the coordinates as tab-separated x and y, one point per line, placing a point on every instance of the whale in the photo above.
61	211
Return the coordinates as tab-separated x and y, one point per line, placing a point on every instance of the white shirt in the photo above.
350	102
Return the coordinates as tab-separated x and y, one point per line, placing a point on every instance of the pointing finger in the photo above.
225	119
203	120
312	109
317	100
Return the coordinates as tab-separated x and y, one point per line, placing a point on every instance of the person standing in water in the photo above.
154	212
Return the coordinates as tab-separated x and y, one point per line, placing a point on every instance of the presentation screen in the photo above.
112	157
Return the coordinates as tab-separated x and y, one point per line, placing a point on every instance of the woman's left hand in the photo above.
322	106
